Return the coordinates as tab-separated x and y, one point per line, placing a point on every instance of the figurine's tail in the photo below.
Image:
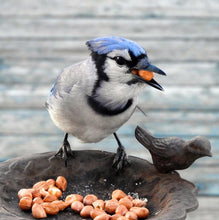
144	137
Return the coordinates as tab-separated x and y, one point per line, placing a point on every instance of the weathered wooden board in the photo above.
45	73
207	210
160	50
204	176
174	97
86	28
110	8
158	122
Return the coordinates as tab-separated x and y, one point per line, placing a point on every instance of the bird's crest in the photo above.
104	45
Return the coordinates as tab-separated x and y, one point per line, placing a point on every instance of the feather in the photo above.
104	45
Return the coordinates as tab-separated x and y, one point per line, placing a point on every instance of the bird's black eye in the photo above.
120	60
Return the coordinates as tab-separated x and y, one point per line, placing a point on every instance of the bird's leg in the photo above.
120	159
65	150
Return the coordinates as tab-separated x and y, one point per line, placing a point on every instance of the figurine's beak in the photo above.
145	74
209	154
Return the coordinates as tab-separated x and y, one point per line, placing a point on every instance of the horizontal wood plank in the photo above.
110	8
179	123
180	74
86	28
207	210
174	97
158	50
204	176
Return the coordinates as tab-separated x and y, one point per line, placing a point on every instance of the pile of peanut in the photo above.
43	199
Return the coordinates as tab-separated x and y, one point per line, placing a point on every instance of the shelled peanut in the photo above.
43	199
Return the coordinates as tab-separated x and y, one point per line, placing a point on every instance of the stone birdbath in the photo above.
169	196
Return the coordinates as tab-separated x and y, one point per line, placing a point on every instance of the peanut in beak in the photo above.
147	75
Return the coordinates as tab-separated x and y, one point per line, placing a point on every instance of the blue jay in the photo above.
92	99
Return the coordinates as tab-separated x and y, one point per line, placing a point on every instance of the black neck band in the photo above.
105	111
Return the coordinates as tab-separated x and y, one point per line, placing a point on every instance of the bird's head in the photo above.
124	61
200	146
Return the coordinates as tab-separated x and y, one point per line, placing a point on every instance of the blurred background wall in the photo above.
38	38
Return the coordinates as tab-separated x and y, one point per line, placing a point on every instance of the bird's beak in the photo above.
146	75
209	154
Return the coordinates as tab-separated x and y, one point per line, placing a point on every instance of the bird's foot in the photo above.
65	150
120	160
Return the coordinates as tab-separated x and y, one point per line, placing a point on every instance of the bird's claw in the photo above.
64	151
120	160
64	154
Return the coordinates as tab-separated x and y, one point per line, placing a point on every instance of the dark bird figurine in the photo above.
173	153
